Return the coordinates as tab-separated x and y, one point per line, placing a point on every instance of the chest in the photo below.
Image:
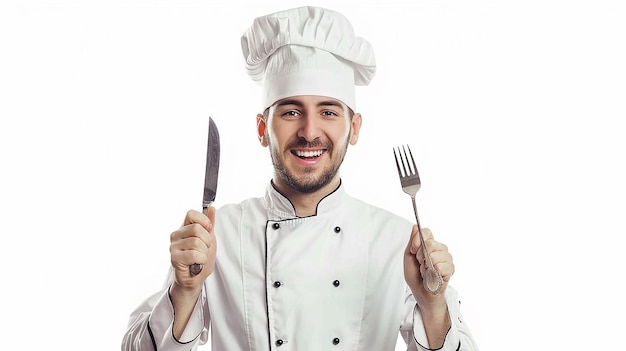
301	282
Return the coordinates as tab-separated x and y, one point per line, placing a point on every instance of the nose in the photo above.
310	128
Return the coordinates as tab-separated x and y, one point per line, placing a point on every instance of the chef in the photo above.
307	266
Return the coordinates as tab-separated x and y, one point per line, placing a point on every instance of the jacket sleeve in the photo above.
458	338
150	325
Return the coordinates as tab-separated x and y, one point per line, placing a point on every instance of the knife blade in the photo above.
210	177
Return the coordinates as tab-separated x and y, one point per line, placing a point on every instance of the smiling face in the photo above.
308	138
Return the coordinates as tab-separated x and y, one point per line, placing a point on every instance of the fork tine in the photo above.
397	163
405	166
410	182
412	160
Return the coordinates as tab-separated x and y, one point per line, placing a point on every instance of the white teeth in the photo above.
309	153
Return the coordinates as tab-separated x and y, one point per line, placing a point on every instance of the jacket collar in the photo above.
279	205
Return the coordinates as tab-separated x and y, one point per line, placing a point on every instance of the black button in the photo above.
337	229
277	284
336	341
336	283
279	342
275	225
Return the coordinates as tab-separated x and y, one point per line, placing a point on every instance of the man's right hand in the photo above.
194	242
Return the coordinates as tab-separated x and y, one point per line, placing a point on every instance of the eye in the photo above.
291	113
329	113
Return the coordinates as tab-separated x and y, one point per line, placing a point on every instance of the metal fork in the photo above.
410	181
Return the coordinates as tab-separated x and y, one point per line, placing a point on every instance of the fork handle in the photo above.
431	279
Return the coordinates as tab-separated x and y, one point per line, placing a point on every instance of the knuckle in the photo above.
174	235
175	257
195	256
196	228
198	244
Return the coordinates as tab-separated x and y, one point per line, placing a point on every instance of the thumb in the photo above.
411	247
412	274
211	214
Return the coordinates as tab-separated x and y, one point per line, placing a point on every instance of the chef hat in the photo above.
307	51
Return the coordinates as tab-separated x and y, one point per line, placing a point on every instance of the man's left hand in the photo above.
433	308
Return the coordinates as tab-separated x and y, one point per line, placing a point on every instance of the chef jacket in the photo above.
330	281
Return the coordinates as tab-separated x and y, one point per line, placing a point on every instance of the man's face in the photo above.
308	138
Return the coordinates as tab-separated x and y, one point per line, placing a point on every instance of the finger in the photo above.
427	234
193	230
194	216
435	246
184	258
431	244
190	250
442	261
435	251
191	243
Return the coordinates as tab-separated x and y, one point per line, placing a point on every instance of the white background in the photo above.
514	111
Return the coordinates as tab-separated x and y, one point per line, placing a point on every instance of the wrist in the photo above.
435	315
433	307
180	293
183	301
436	320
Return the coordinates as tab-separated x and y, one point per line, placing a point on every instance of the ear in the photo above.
261	127
356	127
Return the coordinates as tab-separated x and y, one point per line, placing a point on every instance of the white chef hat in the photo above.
307	51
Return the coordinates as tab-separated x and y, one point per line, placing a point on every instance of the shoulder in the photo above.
387	232
368	211
237	209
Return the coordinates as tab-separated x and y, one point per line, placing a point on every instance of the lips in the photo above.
307	153
308	158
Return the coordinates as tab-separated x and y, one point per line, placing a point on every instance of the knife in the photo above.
210	178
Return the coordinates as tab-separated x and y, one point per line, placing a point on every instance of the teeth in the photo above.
309	153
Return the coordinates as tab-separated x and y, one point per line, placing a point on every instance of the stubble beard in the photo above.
308	183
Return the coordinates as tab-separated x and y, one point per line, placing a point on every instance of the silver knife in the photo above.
210	178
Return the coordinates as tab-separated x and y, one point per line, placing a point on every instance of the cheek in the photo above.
346	133
272	143
270	135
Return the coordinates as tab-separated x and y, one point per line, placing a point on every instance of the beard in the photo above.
309	182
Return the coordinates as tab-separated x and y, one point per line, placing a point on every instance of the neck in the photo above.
305	204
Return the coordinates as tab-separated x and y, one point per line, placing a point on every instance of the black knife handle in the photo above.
195	269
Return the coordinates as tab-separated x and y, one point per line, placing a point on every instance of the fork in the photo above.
410	182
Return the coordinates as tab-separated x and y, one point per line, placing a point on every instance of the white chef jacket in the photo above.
331	281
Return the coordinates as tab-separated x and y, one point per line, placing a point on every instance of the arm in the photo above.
193	243
177	317
457	338
150	326
436	319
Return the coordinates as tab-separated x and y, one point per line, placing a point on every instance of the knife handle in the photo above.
196	268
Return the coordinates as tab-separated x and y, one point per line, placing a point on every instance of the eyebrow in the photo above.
331	103
300	104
